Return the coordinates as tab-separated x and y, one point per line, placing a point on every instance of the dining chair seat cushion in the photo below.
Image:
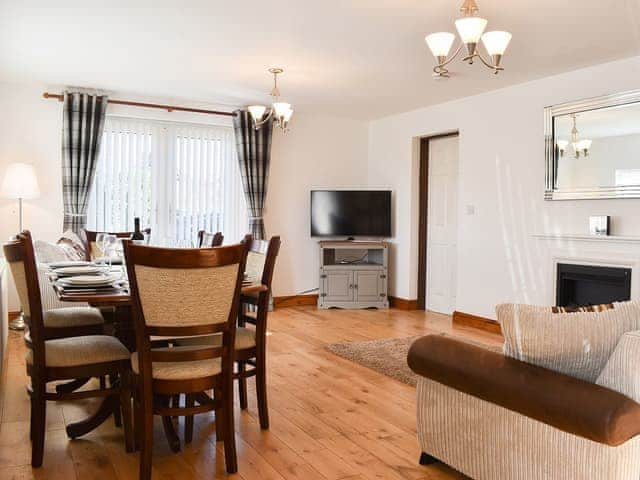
79	351
72	317
179	370
245	338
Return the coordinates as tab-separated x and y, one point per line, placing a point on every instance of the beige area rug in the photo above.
389	355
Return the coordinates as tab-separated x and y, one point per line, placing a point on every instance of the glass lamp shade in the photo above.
20	181
440	43
470	28
287	114
496	42
583	145
281	108
257	112
562	145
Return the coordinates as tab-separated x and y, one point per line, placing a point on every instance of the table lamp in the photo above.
19	182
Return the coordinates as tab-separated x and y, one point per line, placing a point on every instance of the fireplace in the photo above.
581	285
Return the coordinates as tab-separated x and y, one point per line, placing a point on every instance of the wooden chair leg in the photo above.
125	407
175	403
147	437
117	412
219	414
38	423
230	455
261	391
137	421
31	417
188	419
242	385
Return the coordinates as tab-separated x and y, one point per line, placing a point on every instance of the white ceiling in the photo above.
360	58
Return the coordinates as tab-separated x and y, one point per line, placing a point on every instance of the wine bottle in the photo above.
137	233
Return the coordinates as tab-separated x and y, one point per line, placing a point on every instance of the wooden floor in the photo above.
330	418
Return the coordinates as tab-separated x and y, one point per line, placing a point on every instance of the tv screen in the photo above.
364	213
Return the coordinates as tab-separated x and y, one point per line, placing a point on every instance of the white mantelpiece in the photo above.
588	238
580	249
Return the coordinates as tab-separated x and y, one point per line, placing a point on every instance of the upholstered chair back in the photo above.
261	260
185	291
20	257
186	296
209	239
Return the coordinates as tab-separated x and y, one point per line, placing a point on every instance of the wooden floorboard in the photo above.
331	419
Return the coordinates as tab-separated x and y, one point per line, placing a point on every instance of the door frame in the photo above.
423	212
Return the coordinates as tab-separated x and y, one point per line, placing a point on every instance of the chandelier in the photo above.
470	28
580	146
280	111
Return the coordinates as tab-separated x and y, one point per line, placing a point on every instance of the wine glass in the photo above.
109	247
100	237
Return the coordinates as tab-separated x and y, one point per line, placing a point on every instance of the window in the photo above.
178	178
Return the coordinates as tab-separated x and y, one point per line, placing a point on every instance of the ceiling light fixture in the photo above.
470	28
580	146
281	111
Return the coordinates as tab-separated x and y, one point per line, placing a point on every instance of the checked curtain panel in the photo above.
83	121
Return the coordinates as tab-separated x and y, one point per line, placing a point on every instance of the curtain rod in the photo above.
168	108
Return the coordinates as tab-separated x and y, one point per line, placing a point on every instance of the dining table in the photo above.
119	303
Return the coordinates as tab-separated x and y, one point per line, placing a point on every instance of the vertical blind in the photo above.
178	178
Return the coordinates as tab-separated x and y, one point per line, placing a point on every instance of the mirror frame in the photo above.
553	193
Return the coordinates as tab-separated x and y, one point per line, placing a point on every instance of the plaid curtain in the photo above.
82	126
254	156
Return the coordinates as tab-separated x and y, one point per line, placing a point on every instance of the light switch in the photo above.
470	209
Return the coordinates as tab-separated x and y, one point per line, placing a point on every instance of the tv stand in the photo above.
353	274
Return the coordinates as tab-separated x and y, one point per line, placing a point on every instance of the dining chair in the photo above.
51	358
250	342
184	292
91	247
209	239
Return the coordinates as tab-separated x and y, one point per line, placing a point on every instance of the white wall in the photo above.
320	151
502	176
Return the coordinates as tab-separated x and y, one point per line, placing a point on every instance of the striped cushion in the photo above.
577	344
586	308
72	317
77	351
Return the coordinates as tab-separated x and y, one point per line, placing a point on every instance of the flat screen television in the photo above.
352	213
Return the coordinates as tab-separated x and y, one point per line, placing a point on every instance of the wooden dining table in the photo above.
121	303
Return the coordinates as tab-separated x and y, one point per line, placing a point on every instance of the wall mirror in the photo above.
593	148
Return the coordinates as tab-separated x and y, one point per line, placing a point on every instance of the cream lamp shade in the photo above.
20	181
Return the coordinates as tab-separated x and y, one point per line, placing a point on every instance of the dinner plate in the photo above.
89	280
114	260
69	263
81	270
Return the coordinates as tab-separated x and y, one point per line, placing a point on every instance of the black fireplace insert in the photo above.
583	285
